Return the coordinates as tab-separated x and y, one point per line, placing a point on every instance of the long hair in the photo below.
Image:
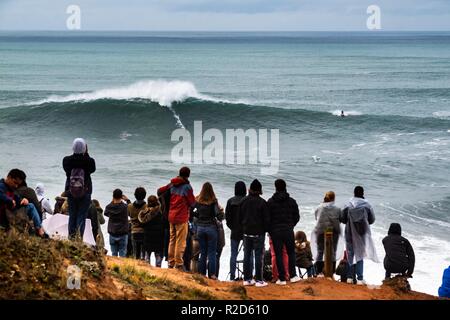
207	195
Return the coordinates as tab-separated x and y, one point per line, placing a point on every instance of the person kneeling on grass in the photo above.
399	253
10	201
117	212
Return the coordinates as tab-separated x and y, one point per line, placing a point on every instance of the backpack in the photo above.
358	220
77	186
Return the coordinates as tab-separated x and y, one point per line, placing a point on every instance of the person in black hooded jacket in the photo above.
254	218
284	215
399	253
232	219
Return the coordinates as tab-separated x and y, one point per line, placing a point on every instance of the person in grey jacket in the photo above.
328	217
358	215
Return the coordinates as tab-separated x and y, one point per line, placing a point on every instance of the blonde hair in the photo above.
329	196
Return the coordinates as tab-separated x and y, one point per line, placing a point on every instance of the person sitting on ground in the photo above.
303	254
357	216
93	217
399	253
151	219
284	215
137	229
328	217
206	212
11	201
28	193
444	290
117	212
255	219
181	200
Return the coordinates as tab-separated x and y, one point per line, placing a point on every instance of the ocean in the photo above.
126	92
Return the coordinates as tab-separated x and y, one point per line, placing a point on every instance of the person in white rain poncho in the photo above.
45	203
358	215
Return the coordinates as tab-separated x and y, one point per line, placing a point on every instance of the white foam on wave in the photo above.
163	92
346	113
441	114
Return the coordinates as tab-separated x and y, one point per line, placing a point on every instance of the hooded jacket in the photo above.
232	217
399	252
118	218
284	213
254	215
358	215
151	219
181	199
79	161
133	212
45	203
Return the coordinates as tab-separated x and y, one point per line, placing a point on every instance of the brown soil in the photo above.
31	268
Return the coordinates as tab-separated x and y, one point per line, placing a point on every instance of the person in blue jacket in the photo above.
444	290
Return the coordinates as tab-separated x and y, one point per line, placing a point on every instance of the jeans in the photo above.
253	246
137	240
118	245
33	214
207	238
357	268
78	212
280	240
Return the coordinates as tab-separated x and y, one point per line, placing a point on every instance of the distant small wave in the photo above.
442	114
346	113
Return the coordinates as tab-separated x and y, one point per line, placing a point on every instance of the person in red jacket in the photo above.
181	200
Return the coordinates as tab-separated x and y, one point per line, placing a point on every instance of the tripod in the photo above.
239	264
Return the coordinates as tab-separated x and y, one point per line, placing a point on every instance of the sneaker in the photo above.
261	284
249	282
295	279
320	275
361	282
350	281
280	283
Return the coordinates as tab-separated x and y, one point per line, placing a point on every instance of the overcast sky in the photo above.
217	15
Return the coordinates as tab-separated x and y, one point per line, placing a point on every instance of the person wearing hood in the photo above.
117	212
232	221
137	229
100	220
400	256
284	215
357	216
328	217
181	200
151	218
78	168
44	202
303	254
254	218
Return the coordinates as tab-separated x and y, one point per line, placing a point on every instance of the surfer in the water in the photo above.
342	113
